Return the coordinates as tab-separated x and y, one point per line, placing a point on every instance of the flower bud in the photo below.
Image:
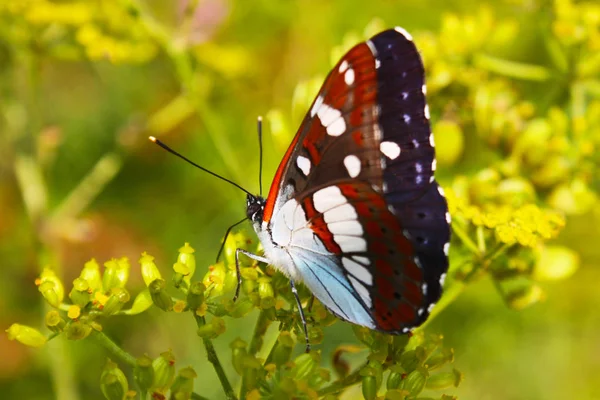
160	297
306	363
315	335
213	329
112	275
187	258
409	360
525	297
26	335
144	373
195	296
251	369
149	270
183	386
266	292
394	379
319	378
415	381
80	294
440	359
77	330
369	387
116	301
164	371
54	321
444	380
283	348
113	382
181	271
74	312
238	354
91	274
214	279
242	307
142	302
231	280
51	287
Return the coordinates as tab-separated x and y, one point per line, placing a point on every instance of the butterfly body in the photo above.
354	211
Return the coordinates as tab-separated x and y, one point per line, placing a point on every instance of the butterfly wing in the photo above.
356	190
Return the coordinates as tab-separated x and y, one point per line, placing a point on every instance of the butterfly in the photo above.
354	211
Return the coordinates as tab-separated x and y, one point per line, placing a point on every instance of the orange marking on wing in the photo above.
358	138
319	226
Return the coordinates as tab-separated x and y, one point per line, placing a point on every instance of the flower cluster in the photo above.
98	294
99	30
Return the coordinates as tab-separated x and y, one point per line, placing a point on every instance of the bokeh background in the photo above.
83	84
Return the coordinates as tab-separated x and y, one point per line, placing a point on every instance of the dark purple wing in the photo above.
367	133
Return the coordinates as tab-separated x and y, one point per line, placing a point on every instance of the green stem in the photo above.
117	352
214	360
341	384
462	235
262	323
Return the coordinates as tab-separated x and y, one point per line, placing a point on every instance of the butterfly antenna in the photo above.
170	150
260	150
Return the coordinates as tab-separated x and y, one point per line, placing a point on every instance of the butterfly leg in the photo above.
237	267
226	236
295	292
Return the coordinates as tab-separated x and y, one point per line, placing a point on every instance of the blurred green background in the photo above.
83	83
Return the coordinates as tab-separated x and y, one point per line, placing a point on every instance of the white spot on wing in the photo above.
327	198
359	272
348	227
351	244
377	63
448	217
372	48
426	111
406	118
424	289
431	140
424	89
339	213
362	291
420	311
403	31
442	279
362	260
331	118
352	164
433	164
404	95
441	191
343	66
415	143
418	167
315	108
430	307
304	164
349	77
446	248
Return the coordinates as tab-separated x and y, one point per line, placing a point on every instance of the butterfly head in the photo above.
255	207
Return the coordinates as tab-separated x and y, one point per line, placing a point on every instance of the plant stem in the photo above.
341	384
117	352
214	360
465	238
262	323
